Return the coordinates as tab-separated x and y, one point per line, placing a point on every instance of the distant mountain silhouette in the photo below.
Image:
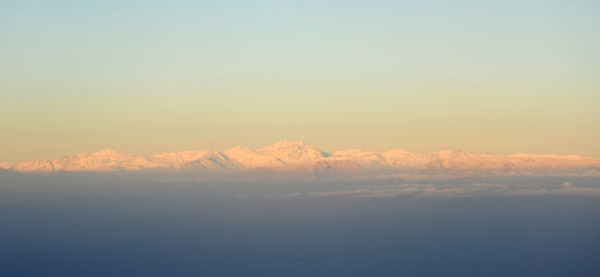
299	157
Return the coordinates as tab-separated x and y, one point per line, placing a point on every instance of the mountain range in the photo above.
297	156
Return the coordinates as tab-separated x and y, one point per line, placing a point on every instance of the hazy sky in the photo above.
153	76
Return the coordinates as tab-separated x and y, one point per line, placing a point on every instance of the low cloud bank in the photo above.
462	190
389	186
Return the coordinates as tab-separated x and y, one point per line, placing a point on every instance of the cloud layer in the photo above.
458	190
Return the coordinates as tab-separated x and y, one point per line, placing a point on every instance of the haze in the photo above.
144	77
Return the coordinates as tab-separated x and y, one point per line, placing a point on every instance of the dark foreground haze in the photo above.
120	226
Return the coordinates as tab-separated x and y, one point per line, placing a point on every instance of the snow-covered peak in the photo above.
5	165
364	158
248	158
292	152
445	152
106	151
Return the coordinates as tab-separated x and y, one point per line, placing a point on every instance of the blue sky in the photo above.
150	76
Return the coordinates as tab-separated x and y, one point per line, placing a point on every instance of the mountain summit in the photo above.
292	152
106	152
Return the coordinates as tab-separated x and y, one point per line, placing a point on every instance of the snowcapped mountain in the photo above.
292	152
297	156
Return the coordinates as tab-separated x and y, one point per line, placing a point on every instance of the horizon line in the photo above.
301	142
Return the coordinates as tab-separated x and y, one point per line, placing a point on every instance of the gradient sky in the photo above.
157	76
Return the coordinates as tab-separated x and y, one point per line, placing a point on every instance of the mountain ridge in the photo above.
297	156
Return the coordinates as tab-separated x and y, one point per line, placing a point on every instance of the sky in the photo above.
161	76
